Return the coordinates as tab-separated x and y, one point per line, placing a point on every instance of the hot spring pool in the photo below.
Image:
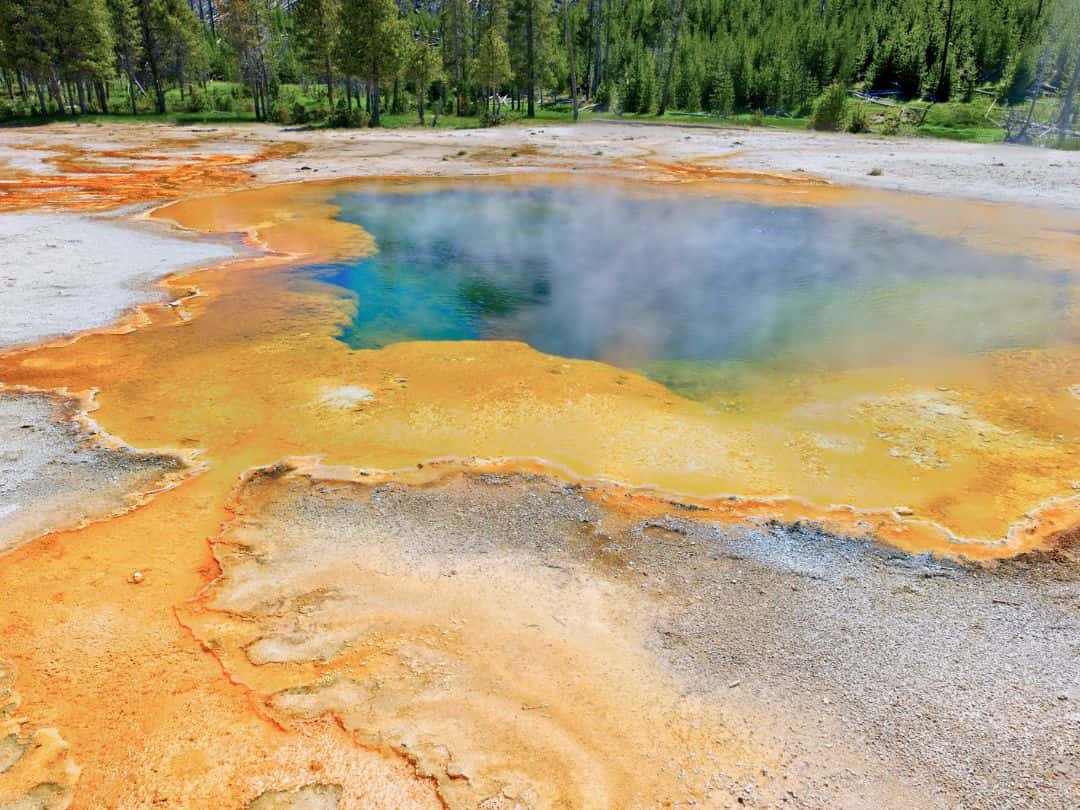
662	285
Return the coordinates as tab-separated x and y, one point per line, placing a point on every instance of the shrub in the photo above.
831	110
299	113
344	117
957	116
1019	76
492	118
858	122
279	113
605	95
195	102
758	118
221	101
891	125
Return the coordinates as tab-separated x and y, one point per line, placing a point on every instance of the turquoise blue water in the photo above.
644	282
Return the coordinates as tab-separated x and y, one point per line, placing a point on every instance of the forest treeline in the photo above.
474	57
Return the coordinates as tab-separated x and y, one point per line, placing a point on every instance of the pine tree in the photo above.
127	44
736	54
374	43
492	66
532	41
457	22
317	24
248	29
722	91
424	64
167	29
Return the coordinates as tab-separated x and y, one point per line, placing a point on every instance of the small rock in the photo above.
136	577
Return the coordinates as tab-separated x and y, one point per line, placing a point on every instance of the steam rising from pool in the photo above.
661	283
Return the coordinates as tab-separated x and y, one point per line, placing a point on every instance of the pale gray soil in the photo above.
54	476
1003	173
63	273
886	680
991	172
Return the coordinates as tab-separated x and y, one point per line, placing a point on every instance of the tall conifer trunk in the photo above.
665	95
153	58
530	57
941	91
1066	118
570	56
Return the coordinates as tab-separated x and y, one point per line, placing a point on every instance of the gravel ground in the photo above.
54	476
961	679
883	680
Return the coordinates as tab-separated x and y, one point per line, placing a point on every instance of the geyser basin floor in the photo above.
256	374
533	644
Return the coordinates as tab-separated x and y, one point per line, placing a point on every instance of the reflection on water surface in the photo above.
665	284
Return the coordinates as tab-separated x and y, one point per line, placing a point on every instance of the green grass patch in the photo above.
735	120
410	120
970	135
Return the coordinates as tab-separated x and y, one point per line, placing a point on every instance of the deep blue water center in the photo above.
642	281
